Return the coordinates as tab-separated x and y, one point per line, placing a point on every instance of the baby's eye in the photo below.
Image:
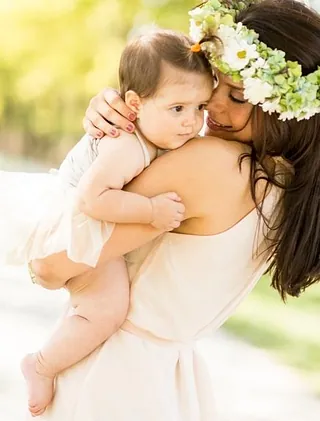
177	108
202	107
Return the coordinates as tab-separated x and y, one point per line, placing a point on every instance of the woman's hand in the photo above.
106	110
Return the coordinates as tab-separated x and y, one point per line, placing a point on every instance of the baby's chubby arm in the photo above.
99	190
100	195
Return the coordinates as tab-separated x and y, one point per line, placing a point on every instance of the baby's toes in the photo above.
36	410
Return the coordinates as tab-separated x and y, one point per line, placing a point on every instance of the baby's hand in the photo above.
167	211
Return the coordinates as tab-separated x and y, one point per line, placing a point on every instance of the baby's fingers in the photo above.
174	224
173	196
180	208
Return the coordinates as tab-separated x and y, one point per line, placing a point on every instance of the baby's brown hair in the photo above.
142	59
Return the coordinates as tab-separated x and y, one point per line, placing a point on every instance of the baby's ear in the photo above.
133	101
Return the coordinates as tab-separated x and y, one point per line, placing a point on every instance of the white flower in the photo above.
239	27
271	106
287	115
240	59
260	63
196	32
199	13
225	33
237	52
210	47
308	113
197	21
248	72
256	91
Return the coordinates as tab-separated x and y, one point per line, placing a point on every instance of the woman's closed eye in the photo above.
237	100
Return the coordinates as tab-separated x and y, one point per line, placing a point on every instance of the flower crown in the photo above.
269	80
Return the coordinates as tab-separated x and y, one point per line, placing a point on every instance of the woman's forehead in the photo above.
228	81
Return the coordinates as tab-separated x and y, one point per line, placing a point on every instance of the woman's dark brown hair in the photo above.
142	59
290	26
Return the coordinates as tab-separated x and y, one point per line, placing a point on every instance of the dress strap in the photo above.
147	159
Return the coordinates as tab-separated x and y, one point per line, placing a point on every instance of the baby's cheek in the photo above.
200	123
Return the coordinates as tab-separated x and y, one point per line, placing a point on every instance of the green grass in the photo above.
290	331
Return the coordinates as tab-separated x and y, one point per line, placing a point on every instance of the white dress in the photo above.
183	287
39	216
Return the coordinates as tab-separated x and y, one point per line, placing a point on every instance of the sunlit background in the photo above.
55	55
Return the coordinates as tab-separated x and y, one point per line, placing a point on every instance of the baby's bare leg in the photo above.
44	271
100	300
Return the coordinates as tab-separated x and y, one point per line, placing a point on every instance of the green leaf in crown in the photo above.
269	80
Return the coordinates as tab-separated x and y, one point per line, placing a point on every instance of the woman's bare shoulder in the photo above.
207	175
215	147
213	158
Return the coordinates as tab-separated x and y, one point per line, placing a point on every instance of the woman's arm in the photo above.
204	173
188	171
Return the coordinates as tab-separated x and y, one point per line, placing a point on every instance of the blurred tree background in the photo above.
55	55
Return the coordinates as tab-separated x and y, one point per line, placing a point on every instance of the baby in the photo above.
168	85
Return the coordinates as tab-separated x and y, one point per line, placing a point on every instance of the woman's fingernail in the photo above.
99	134
132	116
113	132
130	127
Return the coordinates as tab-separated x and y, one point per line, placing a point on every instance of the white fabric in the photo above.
183	287
39	216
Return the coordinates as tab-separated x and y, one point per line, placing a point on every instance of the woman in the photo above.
186	284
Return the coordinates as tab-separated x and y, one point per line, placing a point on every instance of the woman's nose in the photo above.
217	102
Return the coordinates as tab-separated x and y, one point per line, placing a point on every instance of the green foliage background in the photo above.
55	55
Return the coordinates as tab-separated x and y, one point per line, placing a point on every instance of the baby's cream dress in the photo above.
39	215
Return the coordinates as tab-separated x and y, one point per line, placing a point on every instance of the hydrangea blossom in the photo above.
269	80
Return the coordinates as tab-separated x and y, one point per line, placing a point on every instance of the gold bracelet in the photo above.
32	274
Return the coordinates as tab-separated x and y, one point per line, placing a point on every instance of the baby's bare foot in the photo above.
40	387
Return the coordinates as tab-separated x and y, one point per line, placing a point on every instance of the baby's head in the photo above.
167	85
